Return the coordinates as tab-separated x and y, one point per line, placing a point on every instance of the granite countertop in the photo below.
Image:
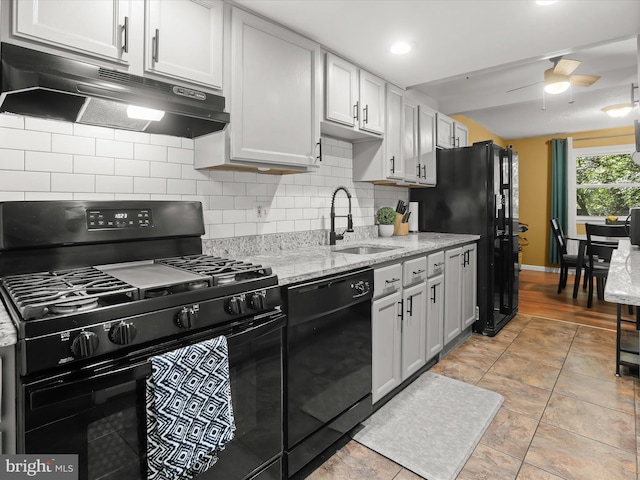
303	264
307	263
623	281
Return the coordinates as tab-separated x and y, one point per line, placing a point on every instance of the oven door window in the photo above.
106	426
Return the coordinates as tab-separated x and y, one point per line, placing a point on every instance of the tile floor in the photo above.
565	414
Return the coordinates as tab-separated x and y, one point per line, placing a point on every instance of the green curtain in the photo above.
559	192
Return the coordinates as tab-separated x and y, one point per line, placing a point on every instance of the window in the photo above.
603	181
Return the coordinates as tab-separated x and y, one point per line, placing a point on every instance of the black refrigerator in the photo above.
477	193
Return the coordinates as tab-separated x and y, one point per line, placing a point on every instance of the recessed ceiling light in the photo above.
400	48
544	3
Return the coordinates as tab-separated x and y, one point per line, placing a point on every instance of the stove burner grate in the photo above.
222	270
63	292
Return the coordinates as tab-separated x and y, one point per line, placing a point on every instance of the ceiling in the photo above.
468	54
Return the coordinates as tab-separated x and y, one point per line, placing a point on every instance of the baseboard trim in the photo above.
539	268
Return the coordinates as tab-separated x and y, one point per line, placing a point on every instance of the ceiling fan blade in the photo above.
583	80
565	66
524	86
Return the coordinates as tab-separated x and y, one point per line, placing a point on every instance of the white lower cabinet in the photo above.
414	304
387	345
460	290
435	316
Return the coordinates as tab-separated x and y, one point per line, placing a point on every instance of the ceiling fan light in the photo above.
620	110
556	87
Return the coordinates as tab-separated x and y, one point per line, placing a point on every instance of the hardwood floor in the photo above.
538	297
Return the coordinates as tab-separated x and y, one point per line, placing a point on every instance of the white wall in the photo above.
47	160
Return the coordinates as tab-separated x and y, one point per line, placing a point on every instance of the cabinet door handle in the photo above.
393	280
356	111
156	46
418	272
319	144
393	164
365	111
125	35
401	314
418	170
433	294
410	306
424	171
457	141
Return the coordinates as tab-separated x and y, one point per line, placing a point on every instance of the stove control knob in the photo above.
187	316
258	301
84	345
123	333
236	306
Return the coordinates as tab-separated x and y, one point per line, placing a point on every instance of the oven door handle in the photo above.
101	382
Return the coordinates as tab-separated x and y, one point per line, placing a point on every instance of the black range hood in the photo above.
43	85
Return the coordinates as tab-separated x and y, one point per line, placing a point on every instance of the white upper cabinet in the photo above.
354	99
179	39
444	130
341	94
426	146
98	27
460	134
184	40
450	134
409	145
275	95
372	90
393	140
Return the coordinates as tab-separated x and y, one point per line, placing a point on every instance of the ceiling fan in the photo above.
558	78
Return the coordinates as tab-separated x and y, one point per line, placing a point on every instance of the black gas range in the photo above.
96	289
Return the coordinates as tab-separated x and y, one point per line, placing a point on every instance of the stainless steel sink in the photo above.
364	250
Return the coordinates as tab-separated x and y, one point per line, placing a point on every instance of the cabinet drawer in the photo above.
435	264
415	270
387	280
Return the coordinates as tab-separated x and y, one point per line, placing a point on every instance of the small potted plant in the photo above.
385	217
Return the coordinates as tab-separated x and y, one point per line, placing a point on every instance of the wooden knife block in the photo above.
400	228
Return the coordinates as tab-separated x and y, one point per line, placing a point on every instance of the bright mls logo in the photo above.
39	467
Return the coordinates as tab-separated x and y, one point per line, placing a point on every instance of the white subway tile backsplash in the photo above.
137	168
181	187
212	217
94	196
222	175
234	188
285	226
150	185
266	228
220	202
13	138
48	162
93	131
46	196
189	172
93	165
166	170
114	184
52	126
165	140
166	197
197	198
113	148
72	182
12	196
244	202
74	145
11	159
246	177
11	121
19	181
302	225
302	202
156	153
244	229
234	216
180	155
131	137
208	187
132	196
187	143
294	214
285	202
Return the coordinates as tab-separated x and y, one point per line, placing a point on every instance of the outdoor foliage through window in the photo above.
606	185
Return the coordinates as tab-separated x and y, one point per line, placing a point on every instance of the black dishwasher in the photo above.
328	362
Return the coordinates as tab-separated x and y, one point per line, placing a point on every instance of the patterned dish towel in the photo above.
189	410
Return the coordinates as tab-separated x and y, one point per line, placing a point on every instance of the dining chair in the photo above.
567	260
599	251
